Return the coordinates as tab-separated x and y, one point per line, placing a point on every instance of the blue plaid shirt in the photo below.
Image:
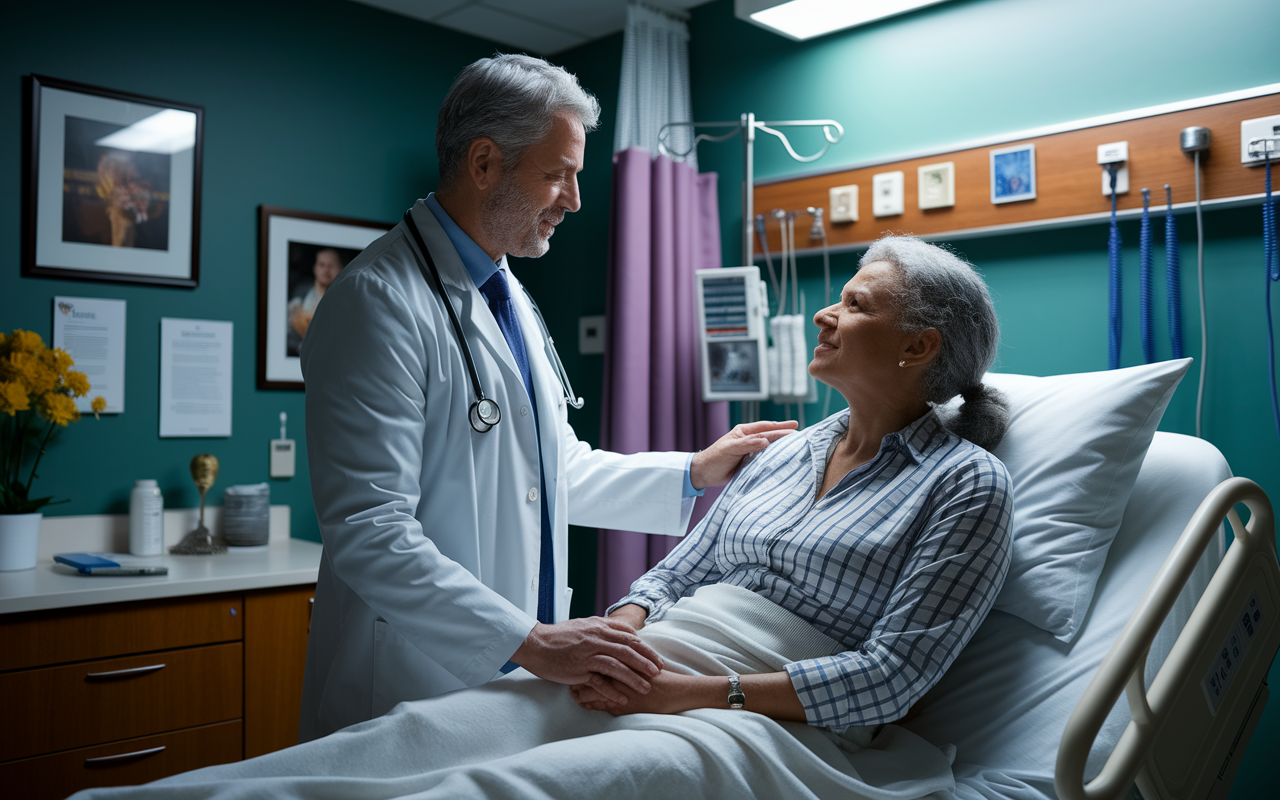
900	562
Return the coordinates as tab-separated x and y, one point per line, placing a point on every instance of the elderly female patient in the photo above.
834	581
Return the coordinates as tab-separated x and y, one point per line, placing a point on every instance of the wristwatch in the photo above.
736	698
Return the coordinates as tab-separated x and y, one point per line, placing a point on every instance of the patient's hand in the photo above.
671	693
716	464
602	653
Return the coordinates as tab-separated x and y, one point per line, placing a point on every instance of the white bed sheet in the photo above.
1006	700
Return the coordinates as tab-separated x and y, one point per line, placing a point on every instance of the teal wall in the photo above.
334	111
330	110
978	68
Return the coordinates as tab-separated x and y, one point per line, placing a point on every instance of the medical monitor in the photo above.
731	333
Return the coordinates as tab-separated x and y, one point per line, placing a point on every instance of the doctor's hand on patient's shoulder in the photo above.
596	651
717	463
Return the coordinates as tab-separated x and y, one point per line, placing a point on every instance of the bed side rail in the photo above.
1210	689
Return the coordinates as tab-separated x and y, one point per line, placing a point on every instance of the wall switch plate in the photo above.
844	203
591	335
1268	130
1122	180
283	458
937	185
888	194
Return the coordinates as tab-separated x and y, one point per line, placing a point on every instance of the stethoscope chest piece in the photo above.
484	414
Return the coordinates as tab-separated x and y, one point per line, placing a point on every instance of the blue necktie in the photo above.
498	293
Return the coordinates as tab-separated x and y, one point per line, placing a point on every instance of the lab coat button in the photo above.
533	495
524	411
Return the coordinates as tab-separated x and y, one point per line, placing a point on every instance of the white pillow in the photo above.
1073	448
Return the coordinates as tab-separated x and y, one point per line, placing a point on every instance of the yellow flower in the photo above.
13	397
58	359
99	405
58	409
26	341
38	377
77	383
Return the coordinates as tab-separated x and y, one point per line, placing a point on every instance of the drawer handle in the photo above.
89	762
123	673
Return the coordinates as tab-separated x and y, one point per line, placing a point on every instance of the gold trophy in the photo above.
200	542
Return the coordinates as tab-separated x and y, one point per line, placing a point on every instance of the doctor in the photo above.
445	544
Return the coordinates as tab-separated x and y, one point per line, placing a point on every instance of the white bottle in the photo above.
146	519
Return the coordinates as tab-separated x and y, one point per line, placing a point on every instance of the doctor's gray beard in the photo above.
513	219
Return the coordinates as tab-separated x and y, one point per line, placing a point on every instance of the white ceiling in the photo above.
544	27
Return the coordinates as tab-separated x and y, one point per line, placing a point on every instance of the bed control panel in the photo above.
1232	652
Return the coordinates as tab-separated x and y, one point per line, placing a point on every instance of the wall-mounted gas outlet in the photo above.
1114	153
1259	137
888	194
936	185
844	203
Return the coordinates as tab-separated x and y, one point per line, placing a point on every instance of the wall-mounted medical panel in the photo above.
1066	174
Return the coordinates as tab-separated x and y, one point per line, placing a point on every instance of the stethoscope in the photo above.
484	412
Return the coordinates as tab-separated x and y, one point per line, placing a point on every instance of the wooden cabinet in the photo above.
131	692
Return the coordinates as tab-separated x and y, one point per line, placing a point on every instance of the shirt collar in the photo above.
918	439
479	266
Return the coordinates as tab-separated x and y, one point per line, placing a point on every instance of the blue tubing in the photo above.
1146	299
1116	317
1173	279
1270	250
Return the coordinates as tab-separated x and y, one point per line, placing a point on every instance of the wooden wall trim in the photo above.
1068	179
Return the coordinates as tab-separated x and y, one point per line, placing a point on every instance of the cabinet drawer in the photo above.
57	708
59	636
56	776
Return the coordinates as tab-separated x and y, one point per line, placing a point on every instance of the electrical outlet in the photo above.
590	335
1266	129
937	185
888	194
1114	153
844	203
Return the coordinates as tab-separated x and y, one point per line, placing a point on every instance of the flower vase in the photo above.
19	535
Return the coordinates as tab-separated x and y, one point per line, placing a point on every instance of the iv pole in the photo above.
747	126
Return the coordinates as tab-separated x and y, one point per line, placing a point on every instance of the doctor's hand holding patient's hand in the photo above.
716	464
595	651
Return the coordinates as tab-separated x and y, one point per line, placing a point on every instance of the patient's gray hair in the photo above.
938	289
511	99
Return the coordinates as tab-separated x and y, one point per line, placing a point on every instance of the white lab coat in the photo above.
429	578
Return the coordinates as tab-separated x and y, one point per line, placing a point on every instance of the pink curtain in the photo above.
665	225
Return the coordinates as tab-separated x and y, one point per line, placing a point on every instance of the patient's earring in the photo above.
902	363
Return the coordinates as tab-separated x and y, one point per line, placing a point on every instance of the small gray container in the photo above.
246	515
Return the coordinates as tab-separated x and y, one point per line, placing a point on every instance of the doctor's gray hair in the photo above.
511	99
938	289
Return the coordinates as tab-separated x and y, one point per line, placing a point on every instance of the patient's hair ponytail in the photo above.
982	418
938	289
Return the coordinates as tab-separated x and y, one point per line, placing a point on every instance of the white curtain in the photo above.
655	83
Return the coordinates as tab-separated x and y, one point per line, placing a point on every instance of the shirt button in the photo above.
524	411
533	495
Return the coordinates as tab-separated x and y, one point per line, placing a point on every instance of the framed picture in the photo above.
111	186
299	255
1013	173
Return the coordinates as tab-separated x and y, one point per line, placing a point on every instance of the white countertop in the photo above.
283	562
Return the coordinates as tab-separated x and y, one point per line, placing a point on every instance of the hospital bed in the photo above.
1034	717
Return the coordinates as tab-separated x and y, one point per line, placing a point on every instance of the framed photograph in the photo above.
1013	173
111	186
300	253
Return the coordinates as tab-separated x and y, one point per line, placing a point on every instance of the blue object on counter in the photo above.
97	564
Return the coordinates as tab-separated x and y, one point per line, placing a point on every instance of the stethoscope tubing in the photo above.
485	412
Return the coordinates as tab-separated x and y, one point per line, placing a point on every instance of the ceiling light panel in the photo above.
799	20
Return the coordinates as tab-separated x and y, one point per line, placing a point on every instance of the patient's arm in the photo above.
768	693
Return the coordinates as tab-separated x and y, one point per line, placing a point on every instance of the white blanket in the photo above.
522	737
